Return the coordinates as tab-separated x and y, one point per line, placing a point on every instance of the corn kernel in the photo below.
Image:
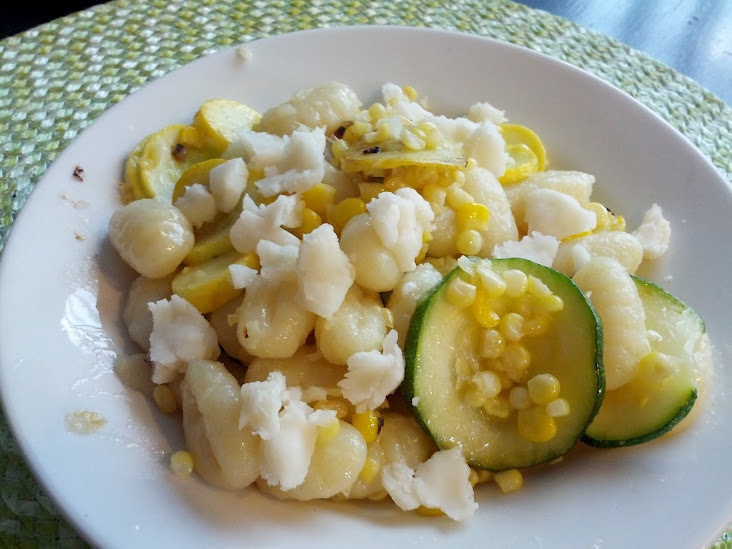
472	216
482	475
519	397
509	481
473	477
429	511
543	388
483	313
369	191
412	141
490	281
492	343
181	463
432	138
511	326
165	399
310	221
370	470
341	213
329	431
537	287
367	423
516	359
516	282
422	254
460	293
559	407
498	407
469	242
378	496
356	131
537	325
376	111
473	397
341	406
487	383
457	197
410	92
549	304
524	305
319	197
395	181
339	148
388	316
534	424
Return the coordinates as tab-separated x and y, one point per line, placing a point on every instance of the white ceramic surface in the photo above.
61	286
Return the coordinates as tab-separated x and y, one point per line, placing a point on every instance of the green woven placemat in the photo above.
57	79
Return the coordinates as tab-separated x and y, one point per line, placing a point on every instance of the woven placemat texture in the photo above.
57	79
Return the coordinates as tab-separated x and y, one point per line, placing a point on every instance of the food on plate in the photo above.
376	301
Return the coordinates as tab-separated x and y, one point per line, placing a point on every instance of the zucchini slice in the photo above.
663	391
449	341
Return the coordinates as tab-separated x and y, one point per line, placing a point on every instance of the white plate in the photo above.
60	303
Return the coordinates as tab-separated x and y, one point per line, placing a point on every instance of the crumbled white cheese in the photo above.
180	335
481	141
244	53
441	482
227	182
261	402
654	233
291	163
554	213
372	375
485	112
400	220
324	272
286	425
278	262
285	458
241	275
535	247
197	204
265	222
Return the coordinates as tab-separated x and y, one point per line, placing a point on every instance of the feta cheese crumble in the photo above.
197	204
654	233
372	375
441	482
536	247
286	425
400	220
227	182
324	272
180	335
266	222
291	163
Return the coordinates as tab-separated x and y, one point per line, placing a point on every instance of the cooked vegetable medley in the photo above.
375	301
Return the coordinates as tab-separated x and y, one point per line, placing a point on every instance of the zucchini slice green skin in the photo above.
633	414
440	332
